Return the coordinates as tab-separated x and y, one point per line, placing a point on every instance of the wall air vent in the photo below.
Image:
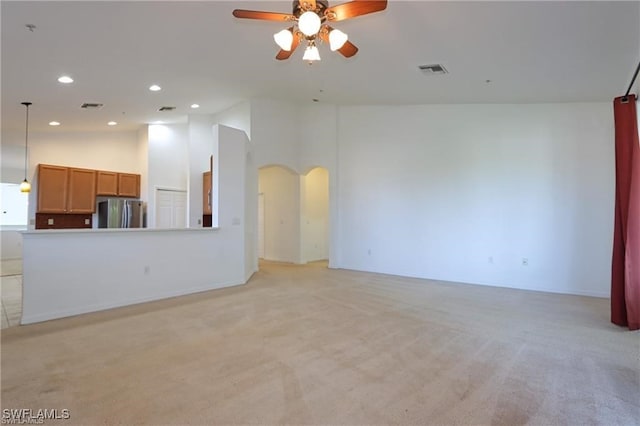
433	69
166	108
88	105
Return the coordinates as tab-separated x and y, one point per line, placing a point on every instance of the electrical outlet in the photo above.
87	221
525	261
147	269
490	260
369	252
50	221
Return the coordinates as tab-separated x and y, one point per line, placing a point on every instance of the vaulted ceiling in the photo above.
495	52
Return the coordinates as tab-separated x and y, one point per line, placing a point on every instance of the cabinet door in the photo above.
107	183
206	193
128	185
82	191
52	189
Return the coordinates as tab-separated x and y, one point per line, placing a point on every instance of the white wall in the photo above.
168	159
11	242
237	117
281	189
12	157
318	139
234	188
124	266
143	161
314	212
274	134
464	193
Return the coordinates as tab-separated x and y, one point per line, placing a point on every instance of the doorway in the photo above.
293	215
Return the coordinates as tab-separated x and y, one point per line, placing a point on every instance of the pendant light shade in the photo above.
311	53
284	39
25	186
337	39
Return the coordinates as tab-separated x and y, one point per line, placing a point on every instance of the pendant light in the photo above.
25	186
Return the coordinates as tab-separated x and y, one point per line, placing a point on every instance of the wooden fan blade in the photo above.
311	4
283	54
265	16
348	49
354	8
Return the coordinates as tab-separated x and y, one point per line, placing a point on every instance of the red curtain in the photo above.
625	271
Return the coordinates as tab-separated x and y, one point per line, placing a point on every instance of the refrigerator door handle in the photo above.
123	215
129	214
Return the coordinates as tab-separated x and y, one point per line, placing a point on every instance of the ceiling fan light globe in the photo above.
309	23
311	54
337	39
284	39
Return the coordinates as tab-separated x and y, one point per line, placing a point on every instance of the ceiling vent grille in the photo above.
433	69
88	105
166	108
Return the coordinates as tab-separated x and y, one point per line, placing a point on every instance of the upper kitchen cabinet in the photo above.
52	189
82	191
66	190
107	183
128	185
118	184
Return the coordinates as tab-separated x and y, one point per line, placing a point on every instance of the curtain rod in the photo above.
625	98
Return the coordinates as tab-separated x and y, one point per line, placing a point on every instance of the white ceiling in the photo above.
198	52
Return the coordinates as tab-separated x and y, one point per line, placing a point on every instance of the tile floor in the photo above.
11	292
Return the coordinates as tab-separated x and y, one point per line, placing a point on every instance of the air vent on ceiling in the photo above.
433	69
166	108
88	105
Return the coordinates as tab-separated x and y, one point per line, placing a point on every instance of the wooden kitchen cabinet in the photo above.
52	188
107	183
66	190
81	197
128	185
206	193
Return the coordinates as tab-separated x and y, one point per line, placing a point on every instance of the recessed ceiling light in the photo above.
194	106
54	123
155	88
65	79
112	123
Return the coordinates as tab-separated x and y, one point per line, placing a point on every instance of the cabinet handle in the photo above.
209	198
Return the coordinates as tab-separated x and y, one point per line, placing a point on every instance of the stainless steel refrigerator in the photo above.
121	213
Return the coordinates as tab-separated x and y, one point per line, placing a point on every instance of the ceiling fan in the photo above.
310	22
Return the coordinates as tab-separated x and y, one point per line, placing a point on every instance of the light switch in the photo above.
50	221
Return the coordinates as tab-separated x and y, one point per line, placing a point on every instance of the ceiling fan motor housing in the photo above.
321	6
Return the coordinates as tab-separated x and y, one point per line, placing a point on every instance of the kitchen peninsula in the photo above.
73	271
70	272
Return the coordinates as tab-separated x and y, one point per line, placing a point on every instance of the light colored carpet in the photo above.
309	345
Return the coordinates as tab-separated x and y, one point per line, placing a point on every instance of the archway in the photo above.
293	214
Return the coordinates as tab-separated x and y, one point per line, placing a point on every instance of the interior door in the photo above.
171	208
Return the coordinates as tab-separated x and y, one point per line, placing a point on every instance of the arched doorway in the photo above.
293	214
